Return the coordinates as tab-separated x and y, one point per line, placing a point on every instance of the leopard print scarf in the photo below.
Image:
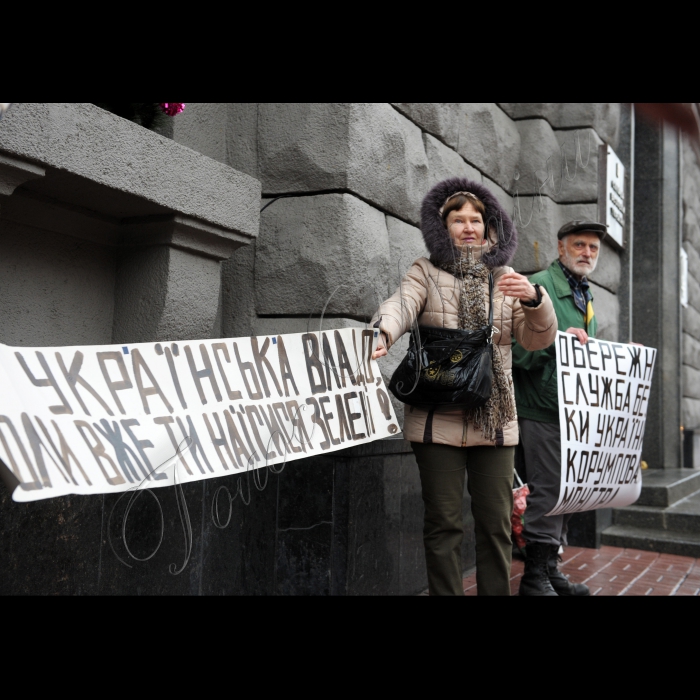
499	410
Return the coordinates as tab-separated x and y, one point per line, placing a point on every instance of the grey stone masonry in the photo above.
98	147
164	293
369	149
561	164
690	180
504	199
490	141
112	233
327	251
691	322
691	382
203	128
56	289
406	245
353	176
444	163
604	117
608	271
691	415
440	119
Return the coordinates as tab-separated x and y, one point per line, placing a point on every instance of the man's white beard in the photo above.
581	270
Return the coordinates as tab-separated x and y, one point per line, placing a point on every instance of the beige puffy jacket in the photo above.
431	295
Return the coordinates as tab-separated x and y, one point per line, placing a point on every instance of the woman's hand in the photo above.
381	350
580	334
518	286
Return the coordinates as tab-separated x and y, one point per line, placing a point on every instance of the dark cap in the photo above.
600	230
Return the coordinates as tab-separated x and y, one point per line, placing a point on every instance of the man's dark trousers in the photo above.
541	444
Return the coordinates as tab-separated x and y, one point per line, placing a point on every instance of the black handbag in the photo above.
447	366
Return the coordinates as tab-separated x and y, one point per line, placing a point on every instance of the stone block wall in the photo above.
342	185
352	177
691	314
111	233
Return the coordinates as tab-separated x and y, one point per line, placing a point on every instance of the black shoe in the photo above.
535	580
559	581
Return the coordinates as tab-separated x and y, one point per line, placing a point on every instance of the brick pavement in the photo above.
611	571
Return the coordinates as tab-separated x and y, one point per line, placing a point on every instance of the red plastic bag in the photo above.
517	520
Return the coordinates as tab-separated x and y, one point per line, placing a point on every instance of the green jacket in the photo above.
534	373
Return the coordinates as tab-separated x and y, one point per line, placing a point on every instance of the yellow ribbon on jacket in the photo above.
589	313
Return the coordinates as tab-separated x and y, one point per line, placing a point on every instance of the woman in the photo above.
469	235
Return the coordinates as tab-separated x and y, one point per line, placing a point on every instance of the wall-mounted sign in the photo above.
684	279
612	203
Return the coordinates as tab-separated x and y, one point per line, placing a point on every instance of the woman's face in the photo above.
466	226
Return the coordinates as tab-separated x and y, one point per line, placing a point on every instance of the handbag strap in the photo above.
492	328
518	480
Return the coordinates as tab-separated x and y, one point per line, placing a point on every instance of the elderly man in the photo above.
535	379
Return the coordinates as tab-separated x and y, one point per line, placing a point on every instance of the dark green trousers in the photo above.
490	485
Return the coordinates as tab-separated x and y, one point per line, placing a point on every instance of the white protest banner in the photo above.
105	419
604	392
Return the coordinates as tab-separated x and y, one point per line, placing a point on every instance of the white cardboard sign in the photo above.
604	392
106	419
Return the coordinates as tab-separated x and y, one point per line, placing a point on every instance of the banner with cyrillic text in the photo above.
604	392
105	419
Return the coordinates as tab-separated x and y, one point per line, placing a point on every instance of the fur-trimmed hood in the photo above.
502	234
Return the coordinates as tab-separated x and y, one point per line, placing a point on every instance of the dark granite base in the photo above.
349	523
50	547
586	529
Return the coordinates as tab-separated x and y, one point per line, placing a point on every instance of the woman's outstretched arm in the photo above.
398	313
